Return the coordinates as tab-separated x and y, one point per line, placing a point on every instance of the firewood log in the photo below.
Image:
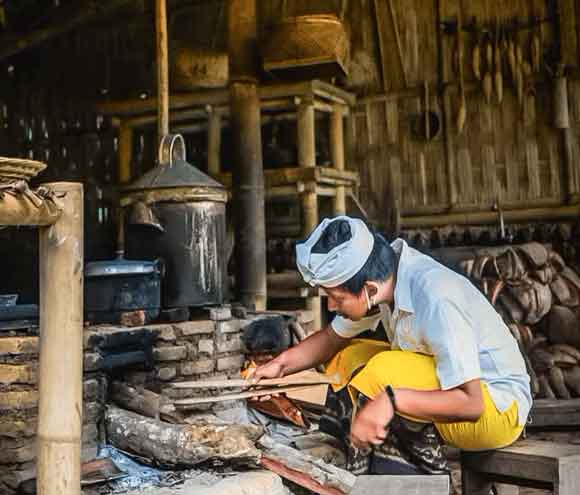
173	445
546	391
572	379
556	379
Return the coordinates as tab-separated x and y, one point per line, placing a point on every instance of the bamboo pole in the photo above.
214	139
307	158
337	154
162	69
490	217
125	152
248	173
61	347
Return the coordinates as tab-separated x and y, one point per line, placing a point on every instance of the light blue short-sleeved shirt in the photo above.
440	313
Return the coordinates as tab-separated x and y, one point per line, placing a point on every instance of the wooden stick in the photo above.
61	347
184	403
162	68
398	40
314	379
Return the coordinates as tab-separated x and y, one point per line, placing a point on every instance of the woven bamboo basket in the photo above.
307	46
12	169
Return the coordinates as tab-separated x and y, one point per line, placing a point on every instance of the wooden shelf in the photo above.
549	413
293	176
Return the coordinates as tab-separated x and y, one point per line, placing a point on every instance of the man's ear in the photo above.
372	288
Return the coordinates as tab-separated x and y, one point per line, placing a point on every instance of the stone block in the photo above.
220	313
229	326
165	333
199	327
170	353
94	389
17	373
245	483
24	453
17	428
206	346
166	373
20	400
197	367
21	473
230	362
18	345
93	412
92	361
231	344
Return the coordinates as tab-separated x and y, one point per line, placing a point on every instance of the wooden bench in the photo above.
529	463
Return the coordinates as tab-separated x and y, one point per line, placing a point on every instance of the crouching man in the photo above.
451	372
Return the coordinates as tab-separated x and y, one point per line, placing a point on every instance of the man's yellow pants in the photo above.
378	367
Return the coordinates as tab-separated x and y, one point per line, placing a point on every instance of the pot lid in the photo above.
173	170
121	266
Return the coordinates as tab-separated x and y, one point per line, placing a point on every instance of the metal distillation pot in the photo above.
178	214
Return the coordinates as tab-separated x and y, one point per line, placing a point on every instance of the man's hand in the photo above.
272	369
369	425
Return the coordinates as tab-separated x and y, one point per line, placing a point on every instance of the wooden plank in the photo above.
184	403
489	191
392	120
548	413
532	169
568	34
401	485
528	460
326	475
302	378
465	175
297	477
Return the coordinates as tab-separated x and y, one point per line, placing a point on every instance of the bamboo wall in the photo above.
508	152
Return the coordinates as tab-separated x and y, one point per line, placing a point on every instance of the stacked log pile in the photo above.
538	296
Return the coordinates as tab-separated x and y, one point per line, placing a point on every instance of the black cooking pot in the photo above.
119	286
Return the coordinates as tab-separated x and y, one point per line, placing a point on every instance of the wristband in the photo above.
391	394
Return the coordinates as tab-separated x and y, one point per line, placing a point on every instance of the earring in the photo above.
369	306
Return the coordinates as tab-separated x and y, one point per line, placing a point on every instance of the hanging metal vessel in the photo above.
178	214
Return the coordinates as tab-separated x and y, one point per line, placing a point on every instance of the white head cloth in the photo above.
342	262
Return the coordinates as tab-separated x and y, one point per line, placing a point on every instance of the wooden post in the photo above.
214	140
248	172
61	347
162	69
446	8
125	152
337	153
307	158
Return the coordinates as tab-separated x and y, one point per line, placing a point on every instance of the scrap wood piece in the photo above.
298	477
301	378
136	399
281	407
171	445
287	462
100	471
184	403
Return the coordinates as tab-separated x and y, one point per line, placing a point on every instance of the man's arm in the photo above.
463	403
316	349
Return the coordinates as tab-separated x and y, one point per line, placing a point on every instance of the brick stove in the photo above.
207	347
